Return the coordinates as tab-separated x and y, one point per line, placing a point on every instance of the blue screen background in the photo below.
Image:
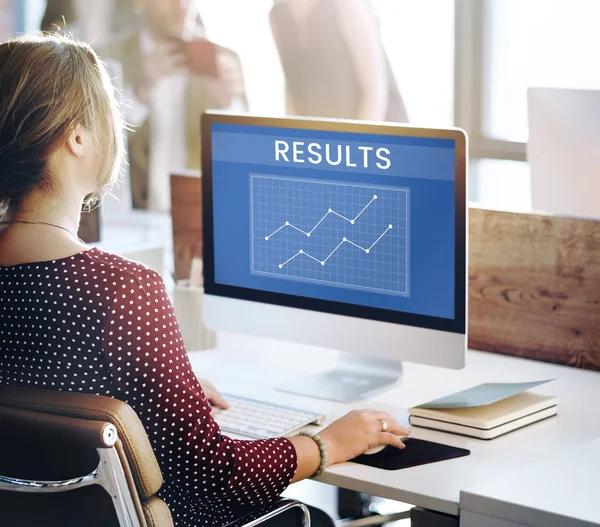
409	269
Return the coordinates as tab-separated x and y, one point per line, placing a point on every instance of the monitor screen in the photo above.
352	221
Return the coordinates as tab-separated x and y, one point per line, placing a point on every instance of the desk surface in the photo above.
253	367
559	491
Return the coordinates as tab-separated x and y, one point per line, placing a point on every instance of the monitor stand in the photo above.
354	377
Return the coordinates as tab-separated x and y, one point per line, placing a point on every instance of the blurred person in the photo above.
168	94
97	23
334	61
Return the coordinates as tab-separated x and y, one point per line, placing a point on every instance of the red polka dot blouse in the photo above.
98	323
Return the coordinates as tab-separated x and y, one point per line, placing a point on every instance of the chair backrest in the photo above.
56	431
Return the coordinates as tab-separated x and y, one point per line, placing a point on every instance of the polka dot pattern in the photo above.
98	323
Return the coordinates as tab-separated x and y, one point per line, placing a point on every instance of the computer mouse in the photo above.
377	449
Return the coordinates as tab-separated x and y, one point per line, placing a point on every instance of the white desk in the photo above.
562	490
252	367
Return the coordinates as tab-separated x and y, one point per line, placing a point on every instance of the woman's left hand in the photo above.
213	396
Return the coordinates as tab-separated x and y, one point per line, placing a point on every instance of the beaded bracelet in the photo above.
322	449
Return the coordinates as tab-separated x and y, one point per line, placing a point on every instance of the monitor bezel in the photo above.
455	325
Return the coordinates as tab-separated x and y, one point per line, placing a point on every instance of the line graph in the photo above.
329	211
344	240
341	234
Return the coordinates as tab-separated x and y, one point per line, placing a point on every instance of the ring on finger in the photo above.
384	425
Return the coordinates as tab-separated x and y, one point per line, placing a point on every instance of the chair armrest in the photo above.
90	434
271	511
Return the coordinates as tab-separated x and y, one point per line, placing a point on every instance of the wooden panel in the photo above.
89	227
186	210
534	287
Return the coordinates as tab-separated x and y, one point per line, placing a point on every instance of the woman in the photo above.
334	61
79	319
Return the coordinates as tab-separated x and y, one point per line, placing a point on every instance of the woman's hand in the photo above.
359	431
213	396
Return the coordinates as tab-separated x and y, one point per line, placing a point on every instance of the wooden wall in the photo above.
534	287
186	207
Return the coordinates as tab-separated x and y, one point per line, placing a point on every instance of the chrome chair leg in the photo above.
272	511
374	521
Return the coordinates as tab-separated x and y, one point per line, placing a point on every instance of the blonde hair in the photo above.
49	84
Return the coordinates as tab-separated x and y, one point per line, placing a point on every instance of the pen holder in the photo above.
189	310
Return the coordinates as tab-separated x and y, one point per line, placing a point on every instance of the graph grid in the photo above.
342	234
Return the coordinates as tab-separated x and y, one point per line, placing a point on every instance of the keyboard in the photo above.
262	420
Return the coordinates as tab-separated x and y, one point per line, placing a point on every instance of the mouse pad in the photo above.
417	452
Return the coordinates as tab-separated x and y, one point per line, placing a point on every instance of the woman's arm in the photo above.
308	455
152	373
361	35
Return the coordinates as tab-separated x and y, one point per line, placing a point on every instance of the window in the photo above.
502	48
505	46
28	15
535	43
6	20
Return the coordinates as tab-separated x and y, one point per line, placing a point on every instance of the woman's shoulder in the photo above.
126	285
91	279
117	263
118	270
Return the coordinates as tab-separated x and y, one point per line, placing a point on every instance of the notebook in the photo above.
485	421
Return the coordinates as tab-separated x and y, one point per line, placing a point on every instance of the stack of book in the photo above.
486	411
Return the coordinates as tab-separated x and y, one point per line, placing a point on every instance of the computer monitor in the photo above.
340	234
564	151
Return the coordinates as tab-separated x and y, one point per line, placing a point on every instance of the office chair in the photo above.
79	459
